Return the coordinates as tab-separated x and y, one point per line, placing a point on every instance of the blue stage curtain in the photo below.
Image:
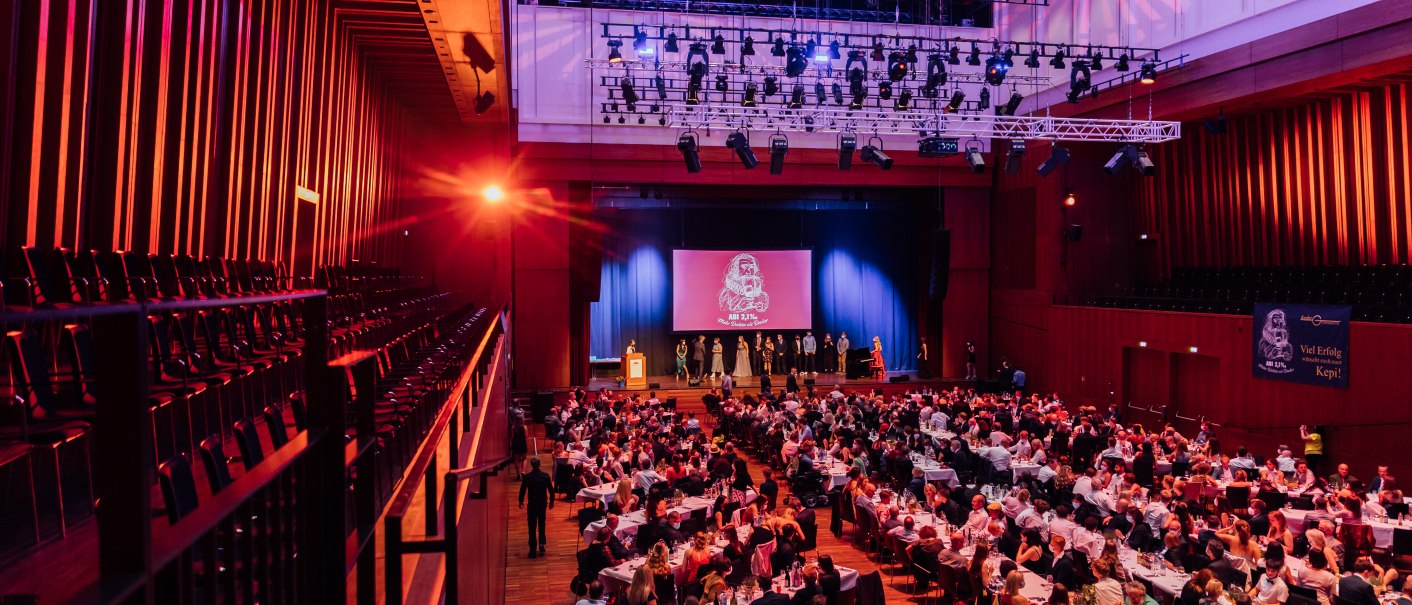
865	276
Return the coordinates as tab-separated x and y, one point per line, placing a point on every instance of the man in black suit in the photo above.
757	345
770	597
596	556
805	595
698	355
1383	482
670	530
803	515
1259	519
1062	568
769	490
1221	568
791	384
1357	588
540	488
614	544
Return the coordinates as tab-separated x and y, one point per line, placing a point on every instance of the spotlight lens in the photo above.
1069	200
493	193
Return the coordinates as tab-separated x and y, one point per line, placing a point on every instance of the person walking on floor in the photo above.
540	489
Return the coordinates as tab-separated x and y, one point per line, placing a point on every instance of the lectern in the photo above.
636	370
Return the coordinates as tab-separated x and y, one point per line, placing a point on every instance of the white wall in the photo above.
558	101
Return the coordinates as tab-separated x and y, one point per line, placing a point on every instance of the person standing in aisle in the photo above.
540	489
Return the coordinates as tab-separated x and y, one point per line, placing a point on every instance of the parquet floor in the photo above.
545	580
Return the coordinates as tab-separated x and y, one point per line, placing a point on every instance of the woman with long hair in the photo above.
697	555
718	366
659	564
1239	541
742	359
1010	595
642	591
624	498
1279	530
879	367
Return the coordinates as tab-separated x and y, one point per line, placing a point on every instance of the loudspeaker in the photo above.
808	382
900	378
940	274
693	382
654	385
540	405
1074	233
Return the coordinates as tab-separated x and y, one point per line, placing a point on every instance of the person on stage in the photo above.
781	353
924	369
843	345
970	360
811	347
829	353
879	368
742	358
681	360
632	346
796	352
767	358
756	348
698	356
718	365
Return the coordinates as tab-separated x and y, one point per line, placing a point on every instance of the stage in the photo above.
896	382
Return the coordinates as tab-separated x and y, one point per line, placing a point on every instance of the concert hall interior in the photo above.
544	302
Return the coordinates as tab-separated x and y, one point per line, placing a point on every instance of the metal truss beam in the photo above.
646	68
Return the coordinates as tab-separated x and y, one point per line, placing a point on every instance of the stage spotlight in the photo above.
795	62
661	84
858	99
856	87
748	48
779	146
995	69
936	76
613	55
1058	61
953	54
639	42
985	99
837	93
778	49
483	102
1058	156
740	142
493	193
1144	164
847	144
772	85
1080	78
718	45
974	57
884	90
751	90
810	48
629	94
833	50
1122	62
1096	60
875	155
1215	125
1115	164
693	85
1014	155
722	84
877	50
896	66
796	97
686	144
974	159
671	45
904	101
1011	106
912	54
1069	199
1033	60
1149	72
819	94
957	98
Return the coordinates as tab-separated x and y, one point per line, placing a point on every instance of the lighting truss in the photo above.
882	122
1130	77
782	11
814	71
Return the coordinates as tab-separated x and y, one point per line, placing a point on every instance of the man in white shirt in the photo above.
1303	476
1156	511
1049	470
1062	525
1243	461
1271	589
940	420
1032	517
646	477
1285	461
1084	485
905	532
1015	503
1022	445
864	501
999	438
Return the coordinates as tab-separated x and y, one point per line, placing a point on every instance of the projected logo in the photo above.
743	298
1275	348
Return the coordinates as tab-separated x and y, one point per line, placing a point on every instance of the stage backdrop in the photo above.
1302	343
734	289
864	266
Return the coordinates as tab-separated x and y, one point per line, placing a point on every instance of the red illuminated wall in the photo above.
183	126
1324	182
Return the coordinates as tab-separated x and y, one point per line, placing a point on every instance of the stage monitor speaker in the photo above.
654	385
900	378
940	275
809	382
540	405
693	382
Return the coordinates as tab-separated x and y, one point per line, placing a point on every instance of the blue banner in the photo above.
1302	343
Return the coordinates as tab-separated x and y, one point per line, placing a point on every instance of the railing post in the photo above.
122	456
431	493
452	558
392	564
325	513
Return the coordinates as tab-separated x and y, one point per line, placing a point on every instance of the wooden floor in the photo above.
545	580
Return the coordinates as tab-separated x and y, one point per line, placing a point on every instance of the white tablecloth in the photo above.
628	524
619	576
1382	531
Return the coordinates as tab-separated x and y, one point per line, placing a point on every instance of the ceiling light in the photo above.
686	143
748	48
1122	62
778	49
1070	200
974	159
671	46
896	66
661	84
847	144
1014	155
833	50
795	62
974	57
936	76
1033	60
493	193
639	41
995	69
796	97
985	100
779	147
1010	106
904	101
953	55
1144	164
884	90
819	94
693	85
1192	349
629	94
483	102
837	93
718	45
957	98
1119	159
740	142
751	90
772	85
1142	343
1058	61
877	50
1058	156
1096	59
722	83
613	55
875	155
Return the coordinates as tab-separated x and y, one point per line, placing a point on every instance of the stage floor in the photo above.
673	384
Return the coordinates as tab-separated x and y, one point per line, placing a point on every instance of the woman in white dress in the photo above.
742	359
718	366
